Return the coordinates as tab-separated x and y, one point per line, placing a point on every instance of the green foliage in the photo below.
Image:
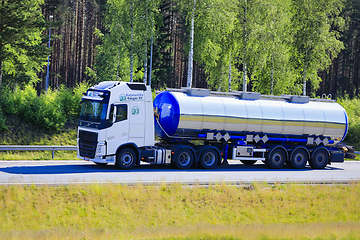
353	113
49	111
272	72
44	110
254	34
129	25
70	98
274	43
22	53
2	121
214	40
19	132
316	41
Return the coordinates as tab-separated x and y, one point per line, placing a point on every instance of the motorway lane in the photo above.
72	172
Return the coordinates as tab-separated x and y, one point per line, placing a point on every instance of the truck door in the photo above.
118	133
137	122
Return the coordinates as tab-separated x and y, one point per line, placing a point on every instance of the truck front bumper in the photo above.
108	159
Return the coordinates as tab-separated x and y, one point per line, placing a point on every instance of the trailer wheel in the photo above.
248	162
208	158
276	158
319	159
184	158
125	159
298	158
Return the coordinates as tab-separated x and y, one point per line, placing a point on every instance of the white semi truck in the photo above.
197	127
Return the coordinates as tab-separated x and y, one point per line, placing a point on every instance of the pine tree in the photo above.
21	25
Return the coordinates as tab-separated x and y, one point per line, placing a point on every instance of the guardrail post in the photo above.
52	154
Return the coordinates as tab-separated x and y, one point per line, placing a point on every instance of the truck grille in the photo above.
87	144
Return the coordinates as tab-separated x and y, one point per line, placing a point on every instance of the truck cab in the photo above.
115	116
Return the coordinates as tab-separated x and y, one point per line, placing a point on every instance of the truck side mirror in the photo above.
114	115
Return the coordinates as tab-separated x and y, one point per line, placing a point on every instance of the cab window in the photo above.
121	113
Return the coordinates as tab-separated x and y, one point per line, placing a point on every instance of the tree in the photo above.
342	76
21	26
270	55
262	44
236	31
273	73
214	25
129	25
191	51
315	43
73	42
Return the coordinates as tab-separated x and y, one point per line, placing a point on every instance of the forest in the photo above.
308	47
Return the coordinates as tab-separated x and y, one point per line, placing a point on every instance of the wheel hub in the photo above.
127	159
184	158
209	158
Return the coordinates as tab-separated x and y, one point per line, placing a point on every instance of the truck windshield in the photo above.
93	111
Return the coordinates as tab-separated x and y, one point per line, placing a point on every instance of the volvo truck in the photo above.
191	127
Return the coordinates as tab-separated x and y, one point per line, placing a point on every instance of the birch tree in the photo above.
273	73
315	43
191	51
214	23
129	24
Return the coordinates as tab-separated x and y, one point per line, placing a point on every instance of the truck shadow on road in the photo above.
89	168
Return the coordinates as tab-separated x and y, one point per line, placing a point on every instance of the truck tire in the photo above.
208	158
125	159
276	158
184	158
248	162
319	159
298	158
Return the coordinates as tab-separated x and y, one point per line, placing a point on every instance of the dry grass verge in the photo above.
173	211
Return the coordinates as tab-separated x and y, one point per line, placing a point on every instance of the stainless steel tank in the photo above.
184	115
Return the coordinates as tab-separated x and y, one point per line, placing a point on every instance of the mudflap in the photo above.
337	157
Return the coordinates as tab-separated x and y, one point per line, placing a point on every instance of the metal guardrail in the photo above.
357	152
37	148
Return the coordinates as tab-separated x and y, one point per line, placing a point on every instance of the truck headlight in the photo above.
100	150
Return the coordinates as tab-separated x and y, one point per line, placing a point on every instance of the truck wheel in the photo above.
125	159
184	158
208	158
319	159
298	159
276	158
248	162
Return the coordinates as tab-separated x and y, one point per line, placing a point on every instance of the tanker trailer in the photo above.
250	127
197	127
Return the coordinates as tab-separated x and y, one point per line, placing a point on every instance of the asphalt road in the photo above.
81	172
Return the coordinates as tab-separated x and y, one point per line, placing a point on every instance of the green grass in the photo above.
38	155
110	211
22	133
